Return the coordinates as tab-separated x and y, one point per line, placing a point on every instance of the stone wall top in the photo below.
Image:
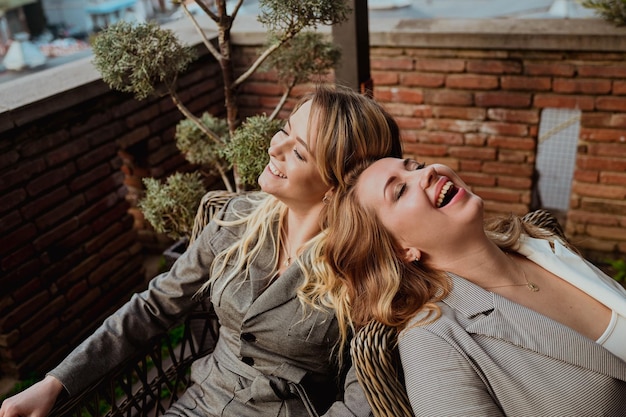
80	80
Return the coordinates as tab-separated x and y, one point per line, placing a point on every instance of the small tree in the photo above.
145	59
613	11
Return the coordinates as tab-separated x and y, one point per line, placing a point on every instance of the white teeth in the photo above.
275	171
443	193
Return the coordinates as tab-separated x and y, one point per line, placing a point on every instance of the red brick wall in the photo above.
479	111
69	253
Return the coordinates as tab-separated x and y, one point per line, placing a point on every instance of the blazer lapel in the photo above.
495	316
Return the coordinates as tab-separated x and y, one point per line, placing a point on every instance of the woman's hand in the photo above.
35	401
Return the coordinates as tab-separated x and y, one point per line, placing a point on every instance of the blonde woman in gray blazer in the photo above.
278	352
497	318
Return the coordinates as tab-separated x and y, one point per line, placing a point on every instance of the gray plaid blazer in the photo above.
488	356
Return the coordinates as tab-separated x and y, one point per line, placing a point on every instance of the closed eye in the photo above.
400	191
300	157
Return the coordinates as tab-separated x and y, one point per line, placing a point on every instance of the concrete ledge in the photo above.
593	35
80	80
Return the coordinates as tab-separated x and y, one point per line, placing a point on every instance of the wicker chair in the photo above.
376	359
149	382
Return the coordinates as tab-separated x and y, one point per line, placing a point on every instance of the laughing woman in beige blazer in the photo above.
277	352
496	318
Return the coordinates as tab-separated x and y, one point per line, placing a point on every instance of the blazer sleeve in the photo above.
150	313
440	380
354	402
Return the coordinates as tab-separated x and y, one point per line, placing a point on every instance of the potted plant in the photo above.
145	59
613	11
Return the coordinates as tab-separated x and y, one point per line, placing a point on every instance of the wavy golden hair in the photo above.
351	128
378	284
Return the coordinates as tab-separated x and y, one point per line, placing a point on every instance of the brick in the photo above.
610	233
23	173
596	119
24	310
586	176
515	116
385	78
499	194
407	123
45	240
525	83
611	104
67	152
8	158
504	129
475	139
478	179
427	80
613	178
581	86
118	244
79	272
12	200
503	99
469	152
9	221
604	207
61	212
18	257
452	125
517	183
619	87
549	68
44	143
599	191
52	178
511	170
513	156
440	65
95	122
446	138
96	173
498	208
420	151
602	135
105	270
448	97
96	156
584	103
401	95
44	202
492	66
601	163
20	236
462	113
607	149
472	82
602	71
391	64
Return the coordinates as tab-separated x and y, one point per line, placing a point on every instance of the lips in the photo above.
446	194
275	170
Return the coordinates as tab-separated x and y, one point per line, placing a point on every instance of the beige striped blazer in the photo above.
488	356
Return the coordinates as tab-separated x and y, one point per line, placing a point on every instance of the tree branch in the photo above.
205	40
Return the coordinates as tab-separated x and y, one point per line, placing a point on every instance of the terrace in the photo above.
483	96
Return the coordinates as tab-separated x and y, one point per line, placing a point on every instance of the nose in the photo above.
427	176
278	143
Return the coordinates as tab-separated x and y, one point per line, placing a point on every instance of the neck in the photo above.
300	227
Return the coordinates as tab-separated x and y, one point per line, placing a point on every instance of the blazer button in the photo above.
248	360
248	337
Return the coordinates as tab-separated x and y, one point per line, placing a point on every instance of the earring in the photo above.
326	199
416	259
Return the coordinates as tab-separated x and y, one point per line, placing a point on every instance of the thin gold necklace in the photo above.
285	244
529	284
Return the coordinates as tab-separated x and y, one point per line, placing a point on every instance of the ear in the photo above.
328	196
411	255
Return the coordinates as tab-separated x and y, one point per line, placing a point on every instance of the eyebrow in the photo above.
299	139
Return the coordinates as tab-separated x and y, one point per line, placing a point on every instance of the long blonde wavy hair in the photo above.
367	260
350	128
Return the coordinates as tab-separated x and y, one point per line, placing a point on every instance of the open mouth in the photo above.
448	191
275	171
